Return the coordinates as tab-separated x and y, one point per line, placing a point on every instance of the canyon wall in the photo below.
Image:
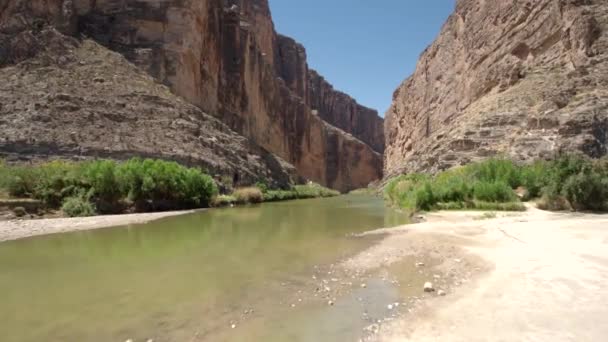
526	79
225	57
71	99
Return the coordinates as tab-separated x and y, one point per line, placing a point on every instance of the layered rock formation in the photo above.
72	99
526	79
224	57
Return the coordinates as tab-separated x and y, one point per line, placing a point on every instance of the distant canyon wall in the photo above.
526	79
226	58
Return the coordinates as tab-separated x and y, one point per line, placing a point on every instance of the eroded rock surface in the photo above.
76	99
224	57
527	79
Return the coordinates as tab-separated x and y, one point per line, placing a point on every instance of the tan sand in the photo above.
547	280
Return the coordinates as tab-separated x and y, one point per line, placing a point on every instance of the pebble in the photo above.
419	264
441	293
436	276
428	287
233	326
363	285
390	306
330	303
374	328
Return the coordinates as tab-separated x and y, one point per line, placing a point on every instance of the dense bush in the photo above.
78	206
249	195
313	190
157	181
149	184
310	190
223	201
569	181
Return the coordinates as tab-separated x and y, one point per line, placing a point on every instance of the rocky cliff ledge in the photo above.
522	78
224	57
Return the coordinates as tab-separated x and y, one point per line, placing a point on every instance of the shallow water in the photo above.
189	278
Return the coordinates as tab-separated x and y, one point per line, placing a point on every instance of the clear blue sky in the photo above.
365	48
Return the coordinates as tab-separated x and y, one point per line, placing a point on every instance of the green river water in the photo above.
190	278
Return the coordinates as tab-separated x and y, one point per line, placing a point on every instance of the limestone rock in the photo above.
523	78
225	58
53	106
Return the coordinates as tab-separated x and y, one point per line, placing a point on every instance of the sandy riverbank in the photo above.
533	276
19	229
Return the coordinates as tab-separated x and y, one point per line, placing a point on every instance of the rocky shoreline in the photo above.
20	229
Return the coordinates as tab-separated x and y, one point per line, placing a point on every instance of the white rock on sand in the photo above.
428	287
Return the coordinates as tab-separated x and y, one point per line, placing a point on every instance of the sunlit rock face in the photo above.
526	79
226	58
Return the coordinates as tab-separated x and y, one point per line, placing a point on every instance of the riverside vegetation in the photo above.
261	193
570	182
88	188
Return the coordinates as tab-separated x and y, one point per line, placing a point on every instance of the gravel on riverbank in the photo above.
19	229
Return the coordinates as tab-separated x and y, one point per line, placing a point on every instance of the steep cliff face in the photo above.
78	100
225	57
523	78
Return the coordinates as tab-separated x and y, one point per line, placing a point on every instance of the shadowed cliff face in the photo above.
225	58
523	78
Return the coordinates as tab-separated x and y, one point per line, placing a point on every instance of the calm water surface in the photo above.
186	278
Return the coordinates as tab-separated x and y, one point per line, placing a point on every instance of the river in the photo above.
235	274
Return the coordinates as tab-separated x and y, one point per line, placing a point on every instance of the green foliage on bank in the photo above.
310	190
103	186
262	193
569	182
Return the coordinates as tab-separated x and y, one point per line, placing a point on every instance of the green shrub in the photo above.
534	178
280	195
78	206
425	200
150	184
249	195
496	191
553	203
223	201
310	190
158	181
496	170
100	177
403	191
586	191
570	181
56	181
20	181
313	190
481	205
262	186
